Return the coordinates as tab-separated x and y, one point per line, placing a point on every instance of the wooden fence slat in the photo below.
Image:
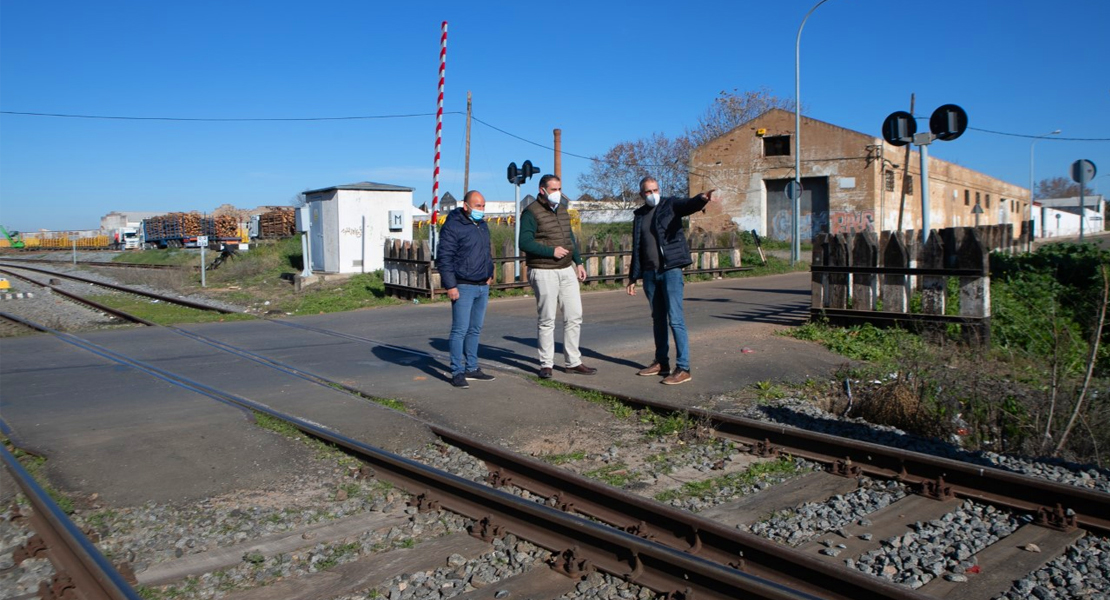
819	281
592	262
933	288
894	287
609	263
838	282
865	286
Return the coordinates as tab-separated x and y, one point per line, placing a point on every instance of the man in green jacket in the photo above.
555	271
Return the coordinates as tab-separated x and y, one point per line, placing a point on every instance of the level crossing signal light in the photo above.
947	123
524	173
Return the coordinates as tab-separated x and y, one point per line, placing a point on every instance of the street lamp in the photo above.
796	249
1029	240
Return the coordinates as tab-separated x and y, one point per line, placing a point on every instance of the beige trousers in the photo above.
557	288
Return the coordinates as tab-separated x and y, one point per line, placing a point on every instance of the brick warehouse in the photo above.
851	181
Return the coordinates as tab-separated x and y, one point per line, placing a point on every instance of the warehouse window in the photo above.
988	198
907	185
777	145
967	197
977	200
889	175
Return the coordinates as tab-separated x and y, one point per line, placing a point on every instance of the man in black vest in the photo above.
554	270
659	252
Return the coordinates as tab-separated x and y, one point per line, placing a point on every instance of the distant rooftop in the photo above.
364	186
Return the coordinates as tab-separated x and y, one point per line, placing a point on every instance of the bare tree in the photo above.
732	109
298	200
1057	187
616	175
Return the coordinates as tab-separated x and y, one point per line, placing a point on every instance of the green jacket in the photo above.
539	243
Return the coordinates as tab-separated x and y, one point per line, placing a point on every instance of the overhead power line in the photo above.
220	119
1055	137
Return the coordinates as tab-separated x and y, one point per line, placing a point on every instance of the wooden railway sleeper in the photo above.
1056	518
569	563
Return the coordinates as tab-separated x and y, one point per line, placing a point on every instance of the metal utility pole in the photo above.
795	220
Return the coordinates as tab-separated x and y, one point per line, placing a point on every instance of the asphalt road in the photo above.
132	437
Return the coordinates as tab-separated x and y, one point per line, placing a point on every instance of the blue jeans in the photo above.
467	315
664	294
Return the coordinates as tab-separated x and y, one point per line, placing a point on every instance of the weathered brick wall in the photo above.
852	164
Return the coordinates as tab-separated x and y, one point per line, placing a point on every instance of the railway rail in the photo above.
97	263
80	570
7	268
773	568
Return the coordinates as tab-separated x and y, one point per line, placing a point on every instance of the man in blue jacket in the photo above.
466	272
659	253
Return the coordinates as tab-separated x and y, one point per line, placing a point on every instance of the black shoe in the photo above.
478	375
581	370
459	380
545	373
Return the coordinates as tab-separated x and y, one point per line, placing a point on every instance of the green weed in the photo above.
783	467
614	474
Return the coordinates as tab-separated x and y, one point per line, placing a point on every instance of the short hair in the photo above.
466	197
647	179
546	179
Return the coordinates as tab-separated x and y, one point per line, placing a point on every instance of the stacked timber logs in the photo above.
182	225
278	223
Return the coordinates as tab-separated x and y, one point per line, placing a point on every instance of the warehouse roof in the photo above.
364	186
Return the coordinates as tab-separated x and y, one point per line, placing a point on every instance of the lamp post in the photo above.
1029	241
796	246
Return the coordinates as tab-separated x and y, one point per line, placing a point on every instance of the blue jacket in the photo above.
463	255
667	224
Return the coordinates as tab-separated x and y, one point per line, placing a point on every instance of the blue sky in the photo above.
603	72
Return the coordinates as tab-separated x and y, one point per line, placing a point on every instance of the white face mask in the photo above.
554	198
652	199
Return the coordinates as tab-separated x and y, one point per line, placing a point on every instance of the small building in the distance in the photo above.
350	223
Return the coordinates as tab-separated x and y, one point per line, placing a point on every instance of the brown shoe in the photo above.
581	369
654	369
545	373
679	376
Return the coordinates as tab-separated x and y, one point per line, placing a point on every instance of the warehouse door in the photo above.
814	208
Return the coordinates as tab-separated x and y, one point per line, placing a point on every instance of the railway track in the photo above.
13	270
1052	514
96	263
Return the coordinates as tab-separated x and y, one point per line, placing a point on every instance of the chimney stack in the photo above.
559	153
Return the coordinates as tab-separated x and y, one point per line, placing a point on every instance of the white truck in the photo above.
127	238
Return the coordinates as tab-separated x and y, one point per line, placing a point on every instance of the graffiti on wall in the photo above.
851	222
834	222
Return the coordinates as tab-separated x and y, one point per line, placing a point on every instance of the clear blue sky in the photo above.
602	72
